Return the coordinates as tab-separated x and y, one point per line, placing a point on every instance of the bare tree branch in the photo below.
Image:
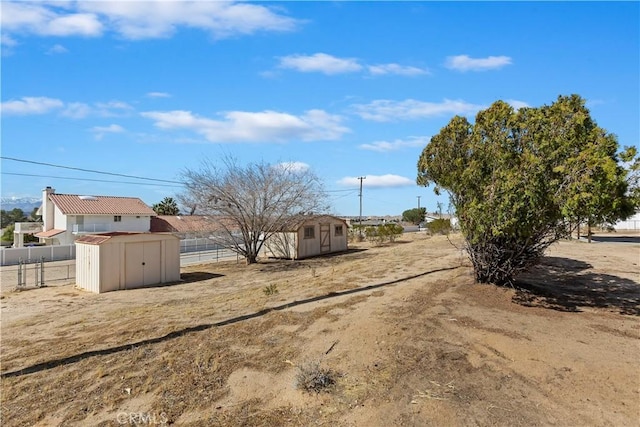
250	203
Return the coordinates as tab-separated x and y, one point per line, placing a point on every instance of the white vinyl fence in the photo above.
12	256
201	249
630	224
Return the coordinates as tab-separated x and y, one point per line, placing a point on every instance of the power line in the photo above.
108	173
342	196
89	170
340	191
86	179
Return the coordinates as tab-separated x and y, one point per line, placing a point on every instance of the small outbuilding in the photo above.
308	236
120	260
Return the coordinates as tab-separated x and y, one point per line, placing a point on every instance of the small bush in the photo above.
356	233
439	226
272	289
312	377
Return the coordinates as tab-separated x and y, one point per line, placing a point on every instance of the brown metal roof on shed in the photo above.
72	204
97	239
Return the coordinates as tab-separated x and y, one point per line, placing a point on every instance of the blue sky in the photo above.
349	89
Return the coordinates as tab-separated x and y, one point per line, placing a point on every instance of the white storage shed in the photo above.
308	236
115	261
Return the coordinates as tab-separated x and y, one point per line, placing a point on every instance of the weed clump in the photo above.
272	289
311	377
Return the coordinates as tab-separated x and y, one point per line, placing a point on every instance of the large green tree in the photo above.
12	216
167	206
631	162
518	179
415	215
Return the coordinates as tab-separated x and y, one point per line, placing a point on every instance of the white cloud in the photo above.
517	104
384	110
320	63
403	70
141	20
110	129
112	108
466	63
294	166
80	110
100	131
386	146
28	105
265	126
48	20
76	110
57	49
83	24
31	105
158	95
594	102
7	41
378	181
330	65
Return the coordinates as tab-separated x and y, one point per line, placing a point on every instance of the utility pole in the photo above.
418	201
360	218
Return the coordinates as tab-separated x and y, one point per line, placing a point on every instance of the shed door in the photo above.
325	238
142	264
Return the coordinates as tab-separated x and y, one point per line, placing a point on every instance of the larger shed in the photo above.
307	236
114	261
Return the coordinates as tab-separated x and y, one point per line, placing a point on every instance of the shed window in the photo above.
338	230
117	218
310	232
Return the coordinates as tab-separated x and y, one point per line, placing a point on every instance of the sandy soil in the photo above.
403	331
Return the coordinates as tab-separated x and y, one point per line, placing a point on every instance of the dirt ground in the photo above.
402	331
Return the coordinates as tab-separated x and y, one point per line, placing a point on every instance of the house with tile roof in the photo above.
185	226
66	217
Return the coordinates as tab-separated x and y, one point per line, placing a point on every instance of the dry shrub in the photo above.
311	377
271	289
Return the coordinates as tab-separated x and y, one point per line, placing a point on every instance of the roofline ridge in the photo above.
94	195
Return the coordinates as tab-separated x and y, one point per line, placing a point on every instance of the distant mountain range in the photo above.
27	204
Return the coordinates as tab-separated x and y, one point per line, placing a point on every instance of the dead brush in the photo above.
311	377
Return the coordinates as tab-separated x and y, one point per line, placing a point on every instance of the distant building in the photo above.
65	217
308	236
185	226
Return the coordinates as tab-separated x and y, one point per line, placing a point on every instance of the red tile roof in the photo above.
49	233
184	224
72	204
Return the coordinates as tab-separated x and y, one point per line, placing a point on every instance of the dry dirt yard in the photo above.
403	331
